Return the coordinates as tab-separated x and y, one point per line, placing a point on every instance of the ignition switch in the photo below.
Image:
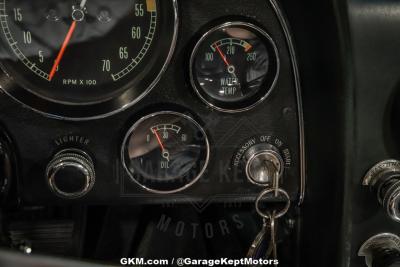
262	158
263	162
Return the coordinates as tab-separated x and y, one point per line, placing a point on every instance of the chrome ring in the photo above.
137	124
81	168
77	159
277	214
68	117
262	98
271	153
392	202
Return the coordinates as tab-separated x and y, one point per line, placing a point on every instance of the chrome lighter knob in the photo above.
71	174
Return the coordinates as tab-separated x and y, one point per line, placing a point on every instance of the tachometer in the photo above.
85	58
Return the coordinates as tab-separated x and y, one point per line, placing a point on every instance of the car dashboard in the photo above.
259	131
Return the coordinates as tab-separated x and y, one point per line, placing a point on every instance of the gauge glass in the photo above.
166	152
234	66
91	56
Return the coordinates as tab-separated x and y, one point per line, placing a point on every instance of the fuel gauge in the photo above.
234	66
165	152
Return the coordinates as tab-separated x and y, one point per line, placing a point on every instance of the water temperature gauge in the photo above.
165	152
234	66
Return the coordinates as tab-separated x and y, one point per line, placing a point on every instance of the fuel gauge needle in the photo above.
65	45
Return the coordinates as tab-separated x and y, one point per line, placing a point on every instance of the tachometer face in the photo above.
165	152
234	66
85	58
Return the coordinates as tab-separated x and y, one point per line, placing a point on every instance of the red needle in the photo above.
159	140
222	56
62	50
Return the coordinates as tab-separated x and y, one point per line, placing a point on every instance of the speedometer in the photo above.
79	59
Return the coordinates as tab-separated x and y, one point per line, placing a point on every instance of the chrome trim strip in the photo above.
292	51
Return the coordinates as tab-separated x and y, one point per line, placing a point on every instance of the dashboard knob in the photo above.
384	181
263	162
71	173
382	250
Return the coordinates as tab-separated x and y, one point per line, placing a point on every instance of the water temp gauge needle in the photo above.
65	45
223	56
231	68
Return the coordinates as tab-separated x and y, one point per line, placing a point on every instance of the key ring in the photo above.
277	214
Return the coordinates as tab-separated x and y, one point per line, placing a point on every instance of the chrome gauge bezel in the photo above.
75	112
199	91
137	124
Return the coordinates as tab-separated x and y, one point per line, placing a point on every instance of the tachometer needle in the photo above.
65	44
62	50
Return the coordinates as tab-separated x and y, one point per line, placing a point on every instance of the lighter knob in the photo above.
71	174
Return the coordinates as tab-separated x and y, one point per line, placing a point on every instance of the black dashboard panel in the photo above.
348	54
373	26
277	120
321	36
194	154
